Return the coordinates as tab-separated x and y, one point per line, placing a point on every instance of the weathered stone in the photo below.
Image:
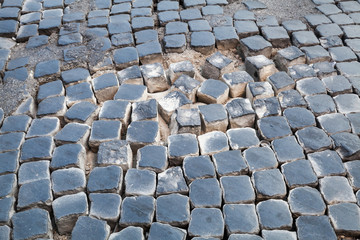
348	69
205	193
141	133
153	158
237	189
259	90
213	91
180	146
294	26
150	52
125	57
33	171
352	168
336	85
213	142
60	184
180	68
267	21
287	149
301	71
306	201
246	29
171	181
137	211
274	214
241	113
68	155
131	93
328	30
225	37
206	222
310	227
128	233
280	82
8	185
255	45
345	218
169	103
313	139
173	209
260	67
105	179
50	89
199	25
130	75
304	38
347	103
240	218
198	168
35	194
262	181
168	16
316	54
213	117
185	121
26	107
73	133
244	237
19	123
105	206
331	41
347	145
9	162
321	104
324	69
154	77
105	86
354	122
334	123
295	178
116	152
215	66
11	141
310	86
6	210
37	148
237	82
260	158
198	44
79	92
82	112
278	234
288	57
242	138
176	27
274	127
336	189
37	41
90	228
75	75
140	182
229	163
104	131
8	28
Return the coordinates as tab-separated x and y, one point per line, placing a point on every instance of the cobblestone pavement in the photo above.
199	119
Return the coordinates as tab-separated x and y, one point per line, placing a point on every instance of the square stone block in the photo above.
198	44
260	158
19	123
130	75
345	218
304	38
137	211
255	45
205	193
347	145
116	110
241	113
140	182
336	189
125	57
116	152
198	168
144	110
169	103
274	127
337	84
315	226
150	52
68	155
37	148
82	112
171	181
313	139
180	146
213	91
334	123
131	93
9	162
246	29
173	209
129	232
213	117
242	138
61	186
321	104
33	171
105	179
154	77
287	149
35	194
237	189
152	158
288	57
274	214
206	222
260	67
327	163
141	133
213	142
186	121
215	66
310	86
89	227
73	133
295	178
240	218
263	179
352	168
79	92
306	201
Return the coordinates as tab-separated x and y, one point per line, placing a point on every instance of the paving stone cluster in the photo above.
270	151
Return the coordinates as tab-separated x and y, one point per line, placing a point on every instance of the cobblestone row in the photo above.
120	144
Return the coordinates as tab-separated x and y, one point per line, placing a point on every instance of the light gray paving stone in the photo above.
244	237
104	131
316	54
171	181
269	184
213	91
33	171
199	167
82	112
131	93
237	82
345	218
158	230
198	3
146	36
79	92
342	54
116	152
137	211
291	98
116	110
6	210
168	16
205	193
5	232
304	38
229	163
35	194
47	68
347	145
237	189
213	117
295	178
310	86
294	26
288	57
277	36
11	141
8	185
331	41
328	9
334	123
8	28
328	30
313	139
136	133
355	17
314	227
173	209
321	104
61	184
225	37
169	103
27	31
180	146
68	155
152	158
347	103
105	206
351	31
358	197
91	228
306	201
260	158
336	85
260	67
330	187
37	148
213	142
278	234
180	68
128	233
212	10
206	222
281	81
9	162
273	127
154	77
274	214
265	107
240	218
24	226
348	69
348	7
259	90
242	138
354	122
255	45
176	28
105	179
140	182
287	149
301	71
299	118
241	113
353	44
185	121
352	168
244	15
19	123
73	133
105	86
267	21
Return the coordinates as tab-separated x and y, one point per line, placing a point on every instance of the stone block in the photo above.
8	28
75	75
104	131
213	91
37	148
316	54
280	82
199	25
334	123
185	121
328	30
198	168
35	194
265	107
353	118
205	193
171	181
260	67
306	201
348	69
213	142
215	66
116	152
11	141
105	179
130	75
277	36
82	112
68	155
169	103
27	31
137	211
150	52
337	84
278	234
140	182
324	69
128	233
9	162
19	123
295	178
259	90
73	133
274	214
61	184
50	89
237	189
240	218
180	146
294	26
178	69
203	42
349	7
152	158
328	9
261	181
310	86
347	145
105	86
267	21
242	138
47	68
154	77
125	57
310	227
8	185
33	171
46	126
131	93
197	3
288	57
313	139
321	104
260	158
246	29
176	28
141	133
105	206
206	222
37	41
255	45
344	217
167	6
226	37
287	149
173	209
121	40
274	127
5	232
237	82
347	103
304	38
241	113
7	210
158	230
168	16
336	189
301	71
25	226
352	168
244	15
213	117
79	92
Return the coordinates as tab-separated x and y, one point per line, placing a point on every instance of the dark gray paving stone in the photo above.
206	222
128	233
91	228
31	6
287	149
50	89
355	17
324	69
141	133
176	27
182	145
171	181
237	189
310	86
97	32
246	28
186	121
278	36
278	234
105	179
11	141
351	31
68	155
19	123
146	36
24	226
181	68
49	25
35	194
198	168
20	74
321	104
316	54
242	138
241	113
306	201
6	210
119	27
48	4
244	237
81	112
314	227
269	184
358	197
199	25
344	217
130	75
33	171
17	63
8	185
70	39
354	122
105	86
121	8
240	218
348	69
154	77
8	28
313	139
47	68
188	86
274	127
295	178
104	131
281	81
5	232
198	44
158	230
215	65
79	92
352	168
213	142
274	214
213	117
260	67
69	28
330	187
140	182
116	152
347	145
255	45
342	54
37	148
173	209
26	107
197	3
168	16
336	85
116	110
291	98
301	71
267	21
105	206
328	30
98	13
9	162
131	93
142	3
213	91
328	9
142	23
265	107
304	38
13	3
150	52
137	211
347	103
175	43
260	158
67	209
294	26
229	163
205	193
61	186
122	40
226	37
334	123
73	133
125	57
